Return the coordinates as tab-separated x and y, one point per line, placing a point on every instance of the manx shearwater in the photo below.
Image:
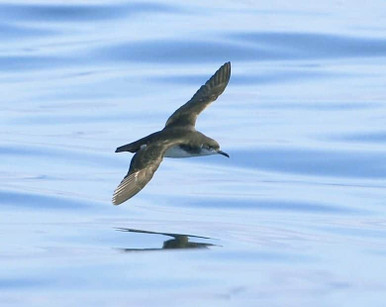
177	139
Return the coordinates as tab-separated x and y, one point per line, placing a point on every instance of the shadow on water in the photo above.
178	241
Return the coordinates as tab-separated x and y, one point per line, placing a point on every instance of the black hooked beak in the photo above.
222	153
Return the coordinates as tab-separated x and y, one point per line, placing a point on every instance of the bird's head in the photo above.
212	147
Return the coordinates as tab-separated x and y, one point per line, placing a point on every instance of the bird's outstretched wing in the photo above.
131	185
187	114
142	168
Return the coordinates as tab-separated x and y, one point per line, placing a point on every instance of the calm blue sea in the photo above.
296	216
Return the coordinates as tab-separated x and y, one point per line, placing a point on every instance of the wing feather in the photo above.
187	114
142	168
131	185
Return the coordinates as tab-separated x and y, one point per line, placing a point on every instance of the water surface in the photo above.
296	217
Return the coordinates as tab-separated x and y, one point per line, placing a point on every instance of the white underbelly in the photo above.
177	152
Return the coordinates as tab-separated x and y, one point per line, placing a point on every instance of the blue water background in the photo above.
296	216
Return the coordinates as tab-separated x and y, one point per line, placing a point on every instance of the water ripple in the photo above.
13	32
316	45
277	205
28	62
246	47
171	51
64	154
337	163
376	137
79	12
38	201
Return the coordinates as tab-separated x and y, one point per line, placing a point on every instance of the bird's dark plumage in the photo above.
179	138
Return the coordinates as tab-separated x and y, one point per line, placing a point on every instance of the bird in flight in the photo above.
178	139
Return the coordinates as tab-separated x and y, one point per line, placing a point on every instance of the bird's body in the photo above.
178	139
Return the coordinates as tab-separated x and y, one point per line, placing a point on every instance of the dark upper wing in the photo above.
142	168
187	114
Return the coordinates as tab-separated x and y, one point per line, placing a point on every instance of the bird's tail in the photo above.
135	146
132	147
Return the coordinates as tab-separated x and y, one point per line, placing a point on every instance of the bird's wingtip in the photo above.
226	64
114	202
227	68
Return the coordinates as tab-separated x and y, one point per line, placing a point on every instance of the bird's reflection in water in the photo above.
178	241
